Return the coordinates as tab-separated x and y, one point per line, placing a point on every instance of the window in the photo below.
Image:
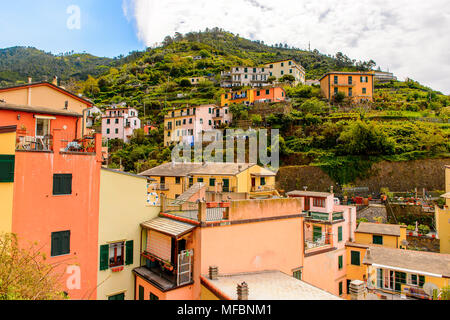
413	279
271	67
319	202
298	275
108	121
117	121
355	258
200	180
350	80
282	64
290	70
212	182
190	121
117	131
201	121
141	292
377	239
66	105
340	289
258	93
191	181
348	286
263	181
268	91
62	184
120	296
153	297
60	243
282	72
335	79
350	92
210	122
108	131
340	234
116	254
364	90
184	121
42	127
340	262
7	163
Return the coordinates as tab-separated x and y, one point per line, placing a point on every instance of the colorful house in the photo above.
120	123
250	96
181	246
415	274
326	230
186	124
357	86
244	76
119	235
279	69
61	214
173	179
47	95
388	235
442	216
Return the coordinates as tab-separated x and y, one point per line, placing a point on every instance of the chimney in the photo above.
357	290
55	81
242	291
214	272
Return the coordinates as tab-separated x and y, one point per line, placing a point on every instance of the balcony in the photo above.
214	211
265	188
28	143
321	216
342	84
160	187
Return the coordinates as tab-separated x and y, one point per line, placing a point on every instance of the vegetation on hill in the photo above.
19	63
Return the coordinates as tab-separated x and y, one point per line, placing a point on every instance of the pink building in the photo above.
187	123
328	226
120	123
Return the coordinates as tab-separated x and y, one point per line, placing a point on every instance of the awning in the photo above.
168	227
45	117
446	195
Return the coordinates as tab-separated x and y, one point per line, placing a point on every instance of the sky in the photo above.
409	37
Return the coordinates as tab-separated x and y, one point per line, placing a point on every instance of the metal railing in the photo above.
338	216
28	143
263	188
318	216
321	242
215	214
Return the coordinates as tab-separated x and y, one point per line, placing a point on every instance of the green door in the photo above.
317	233
226	185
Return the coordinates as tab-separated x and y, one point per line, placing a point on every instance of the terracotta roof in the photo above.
409	260
179	169
169	227
268	285
379	228
48	84
309	194
41	110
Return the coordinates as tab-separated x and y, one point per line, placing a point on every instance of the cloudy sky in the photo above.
409	37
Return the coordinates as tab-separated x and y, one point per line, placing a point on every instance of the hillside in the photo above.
19	63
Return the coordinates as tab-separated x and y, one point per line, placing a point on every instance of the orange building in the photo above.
249	97
182	244
358	86
52	191
48	95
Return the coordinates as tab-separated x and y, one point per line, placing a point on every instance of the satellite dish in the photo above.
429	287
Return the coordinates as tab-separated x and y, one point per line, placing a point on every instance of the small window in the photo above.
116	254
200	180
62	184
177	180
263	181
117	131
153	297
268	91
350	92
355	258
340	262
108	131
190	121
364	91
339	234
298	275
60	243
340	289
282	64
212	182
117	121
377	239
258	93
108	121
141	292
319	202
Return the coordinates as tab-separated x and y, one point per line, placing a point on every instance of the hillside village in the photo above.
86	172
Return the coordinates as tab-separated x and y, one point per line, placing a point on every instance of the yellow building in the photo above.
7	161
443	216
358	86
121	212
46	94
388	235
246	97
412	273
279	69
173	179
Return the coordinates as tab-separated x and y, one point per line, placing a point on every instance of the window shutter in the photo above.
104	257
340	234
56	242
341	262
355	258
421	281
141	293
7	163
65	242
129	252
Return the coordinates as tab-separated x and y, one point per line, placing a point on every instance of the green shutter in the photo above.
65	242
340	234
340	288
129	252
141	293
56	244
355	257
62	184
104	257
341	262
7	163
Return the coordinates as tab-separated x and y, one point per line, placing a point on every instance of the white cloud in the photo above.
410	37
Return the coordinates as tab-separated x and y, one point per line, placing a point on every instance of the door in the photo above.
400	278
253	183
226	185
307	207
42	127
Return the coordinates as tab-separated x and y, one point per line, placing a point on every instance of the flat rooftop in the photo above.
309	194
379	228
269	285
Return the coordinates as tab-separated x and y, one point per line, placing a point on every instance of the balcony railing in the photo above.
318	216
317	243
338	216
264	188
342	84
28	143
